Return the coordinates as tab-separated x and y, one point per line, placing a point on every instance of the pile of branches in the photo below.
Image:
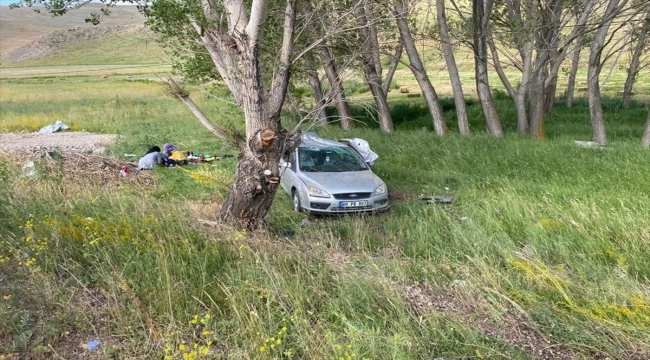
88	168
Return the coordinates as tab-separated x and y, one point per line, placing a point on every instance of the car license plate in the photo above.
349	204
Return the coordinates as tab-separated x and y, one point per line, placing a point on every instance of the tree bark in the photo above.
454	77
481	10
319	100
393	67
336	87
645	139
575	64
536	101
595	66
253	191
417	67
550	87
368	57
634	62
519	95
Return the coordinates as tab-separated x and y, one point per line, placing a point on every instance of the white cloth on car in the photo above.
363	148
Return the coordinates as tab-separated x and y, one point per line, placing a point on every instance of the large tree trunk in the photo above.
257	175
634	62
645	139
417	67
235	52
536	102
481	10
575	64
542	75
454	77
336	86
595	66
370	65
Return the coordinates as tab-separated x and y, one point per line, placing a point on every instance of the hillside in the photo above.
20	27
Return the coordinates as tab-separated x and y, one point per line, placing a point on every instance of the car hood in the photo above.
343	182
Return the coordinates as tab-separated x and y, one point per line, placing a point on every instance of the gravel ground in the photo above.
78	142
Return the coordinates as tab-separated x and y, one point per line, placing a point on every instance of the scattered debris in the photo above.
82	168
588	144
459	282
304	223
437	199
52	128
29	170
92	345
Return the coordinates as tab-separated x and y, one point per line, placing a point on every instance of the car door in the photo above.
288	173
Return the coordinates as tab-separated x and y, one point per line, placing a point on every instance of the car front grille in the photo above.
352	196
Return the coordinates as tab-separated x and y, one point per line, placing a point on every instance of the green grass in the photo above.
543	239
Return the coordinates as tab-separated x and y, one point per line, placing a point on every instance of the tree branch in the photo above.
281	80
256	21
183	96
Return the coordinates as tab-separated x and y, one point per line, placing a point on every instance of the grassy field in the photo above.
543	253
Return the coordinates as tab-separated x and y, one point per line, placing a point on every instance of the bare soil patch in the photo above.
76	142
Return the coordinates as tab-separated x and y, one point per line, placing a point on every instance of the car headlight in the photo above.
381	189
316	192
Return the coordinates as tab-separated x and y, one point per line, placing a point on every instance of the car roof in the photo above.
310	139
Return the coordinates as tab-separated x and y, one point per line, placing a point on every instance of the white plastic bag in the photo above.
52	128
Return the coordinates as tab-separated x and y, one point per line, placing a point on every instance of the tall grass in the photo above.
542	253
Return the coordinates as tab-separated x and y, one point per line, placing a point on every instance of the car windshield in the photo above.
330	159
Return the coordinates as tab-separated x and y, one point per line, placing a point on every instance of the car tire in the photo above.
296	201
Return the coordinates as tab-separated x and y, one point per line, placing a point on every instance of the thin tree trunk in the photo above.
319	99
417	67
550	88
645	139
575	64
454	77
519	95
634	62
481	10
376	57
336	86
595	66
393	66
369	66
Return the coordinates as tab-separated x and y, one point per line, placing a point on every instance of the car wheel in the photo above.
296	201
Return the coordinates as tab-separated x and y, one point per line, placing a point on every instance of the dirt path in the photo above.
80	142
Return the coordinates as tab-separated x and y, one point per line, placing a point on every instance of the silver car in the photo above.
328	177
